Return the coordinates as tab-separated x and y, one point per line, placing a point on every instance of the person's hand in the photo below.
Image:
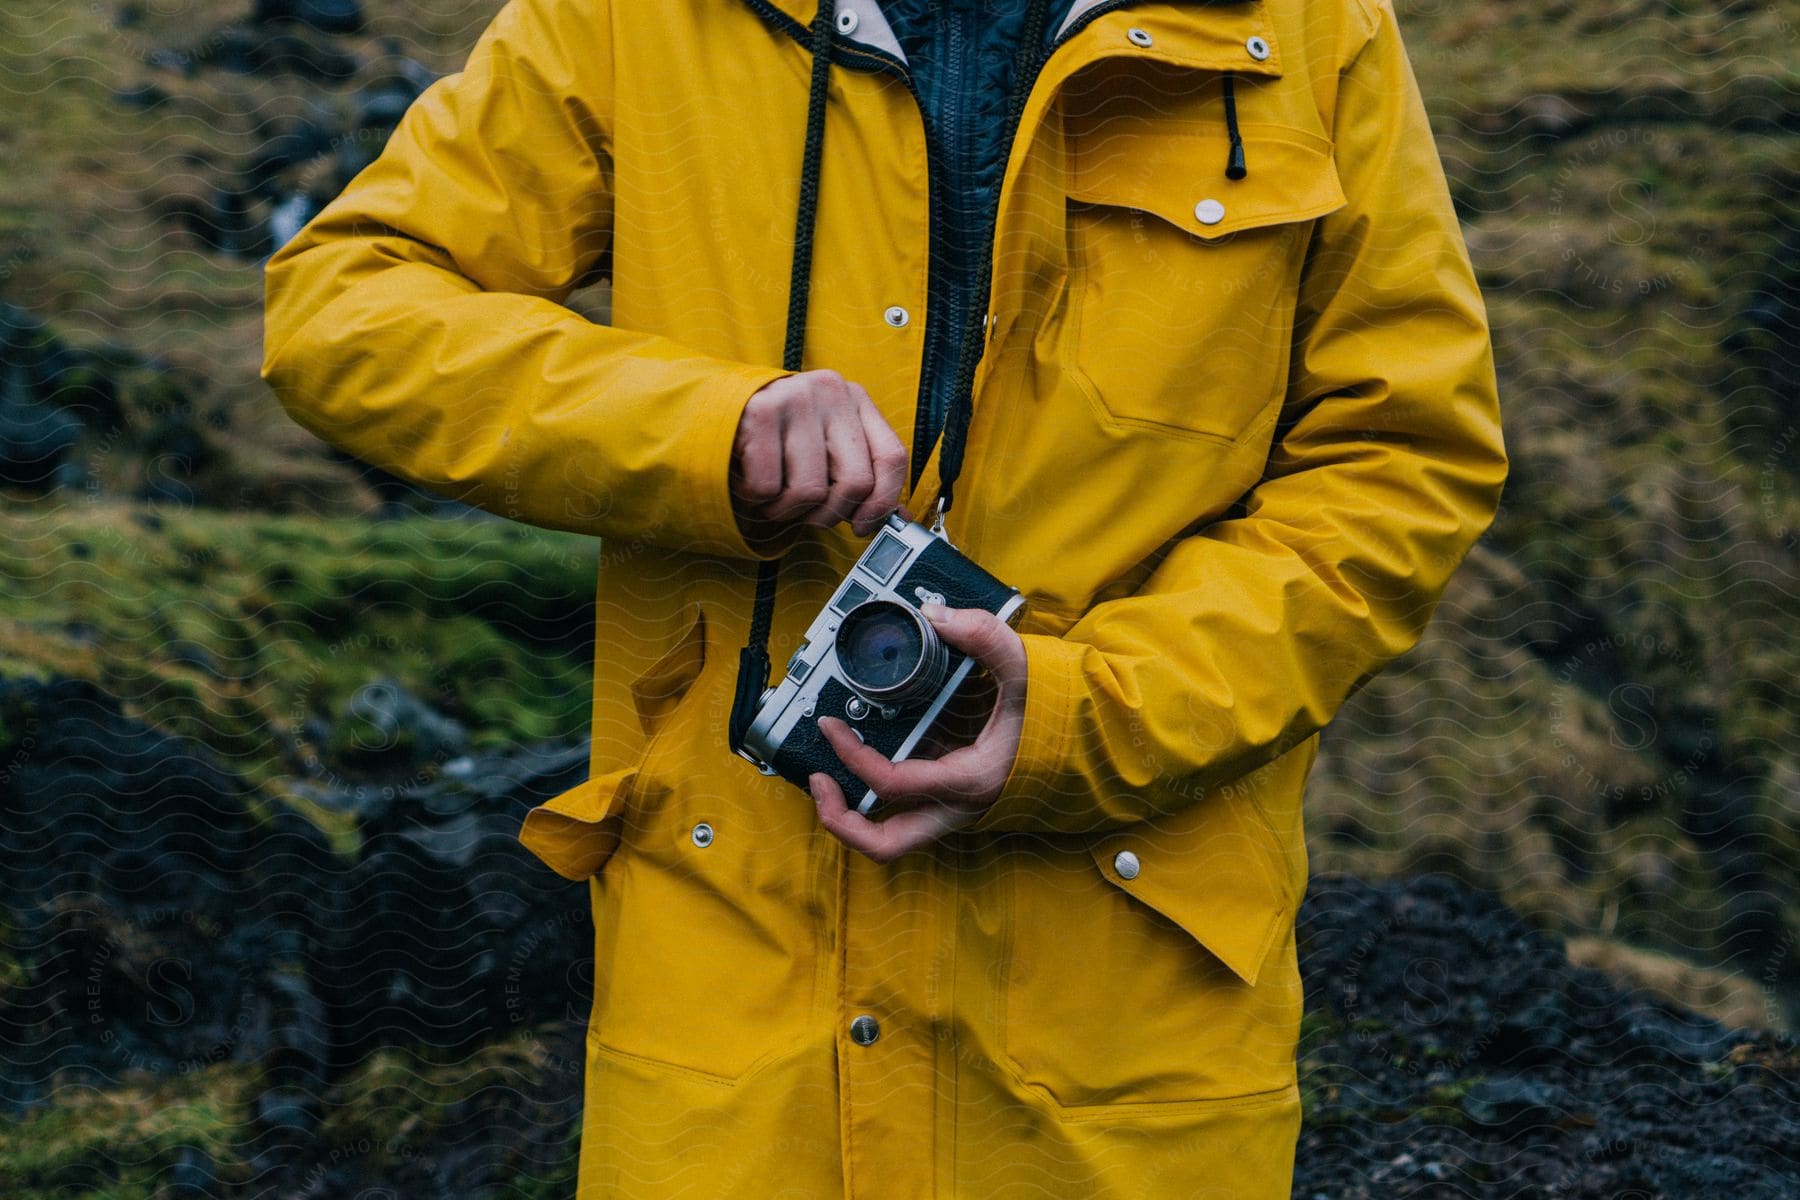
929	797
812	449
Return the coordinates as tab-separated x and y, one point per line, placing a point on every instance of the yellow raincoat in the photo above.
1230	437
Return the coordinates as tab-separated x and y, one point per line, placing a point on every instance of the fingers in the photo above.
852	475
812	448
948	792
887	462
805	471
887	839
756	456
957	777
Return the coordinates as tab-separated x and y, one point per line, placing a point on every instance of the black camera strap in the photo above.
1028	59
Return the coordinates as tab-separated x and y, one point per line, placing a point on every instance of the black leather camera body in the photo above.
872	658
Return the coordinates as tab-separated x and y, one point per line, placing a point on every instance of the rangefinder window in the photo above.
884	556
853	594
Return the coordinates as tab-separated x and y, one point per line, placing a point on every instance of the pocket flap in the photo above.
1222	889
576	832
662	685
1176	171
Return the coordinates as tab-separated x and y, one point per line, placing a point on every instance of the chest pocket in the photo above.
1182	282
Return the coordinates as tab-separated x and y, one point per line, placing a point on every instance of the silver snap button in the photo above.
1126	864
864	1030
1259	49
897	317
703	835
846	21
1209	212
856	708
1138	37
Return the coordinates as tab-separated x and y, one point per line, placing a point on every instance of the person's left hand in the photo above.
945	793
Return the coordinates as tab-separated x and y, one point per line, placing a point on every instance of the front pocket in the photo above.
1182	282
575	832
1115	998
704	954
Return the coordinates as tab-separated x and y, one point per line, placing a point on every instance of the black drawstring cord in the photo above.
1234	165
799	278
753	659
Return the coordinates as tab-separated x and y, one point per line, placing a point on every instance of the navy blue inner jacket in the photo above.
959	54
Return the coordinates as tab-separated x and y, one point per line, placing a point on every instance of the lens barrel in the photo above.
890	653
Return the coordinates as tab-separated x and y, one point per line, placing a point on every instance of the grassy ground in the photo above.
1599	726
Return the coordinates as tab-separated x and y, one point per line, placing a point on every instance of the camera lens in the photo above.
888	652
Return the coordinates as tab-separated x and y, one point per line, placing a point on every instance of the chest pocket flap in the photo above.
1176	171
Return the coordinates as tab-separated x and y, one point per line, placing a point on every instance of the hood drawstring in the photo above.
753	659
1234	165
811	161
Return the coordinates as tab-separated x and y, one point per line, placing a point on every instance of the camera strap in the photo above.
1028	59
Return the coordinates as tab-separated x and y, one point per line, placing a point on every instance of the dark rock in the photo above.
289	216
381	108
1561	1083
35	440
1511	1100
327	16
386	729
282	49
52	395
49	396
287	1111
289	148
192	1176
225	222
94	788
142	97
176	448
179	929
452	841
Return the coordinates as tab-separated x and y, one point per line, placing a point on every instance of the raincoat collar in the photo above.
1204	34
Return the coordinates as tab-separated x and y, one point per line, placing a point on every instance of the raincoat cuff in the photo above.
1039	786
712	520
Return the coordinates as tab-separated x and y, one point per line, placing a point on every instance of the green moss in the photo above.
235	629
555	1184
404	1106
119	1144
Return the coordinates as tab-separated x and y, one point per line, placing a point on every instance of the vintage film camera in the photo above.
873	659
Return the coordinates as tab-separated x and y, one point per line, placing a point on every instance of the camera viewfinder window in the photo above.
884	556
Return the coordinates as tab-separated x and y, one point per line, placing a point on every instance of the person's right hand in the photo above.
813	449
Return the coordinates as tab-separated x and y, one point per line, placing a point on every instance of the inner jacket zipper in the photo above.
946	305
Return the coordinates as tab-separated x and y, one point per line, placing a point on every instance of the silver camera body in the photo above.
872	659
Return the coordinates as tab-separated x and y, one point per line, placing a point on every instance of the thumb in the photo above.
981	635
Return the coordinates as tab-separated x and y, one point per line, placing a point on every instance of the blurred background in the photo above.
269	718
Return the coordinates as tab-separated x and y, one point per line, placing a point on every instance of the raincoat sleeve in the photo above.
1387	465
416	322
